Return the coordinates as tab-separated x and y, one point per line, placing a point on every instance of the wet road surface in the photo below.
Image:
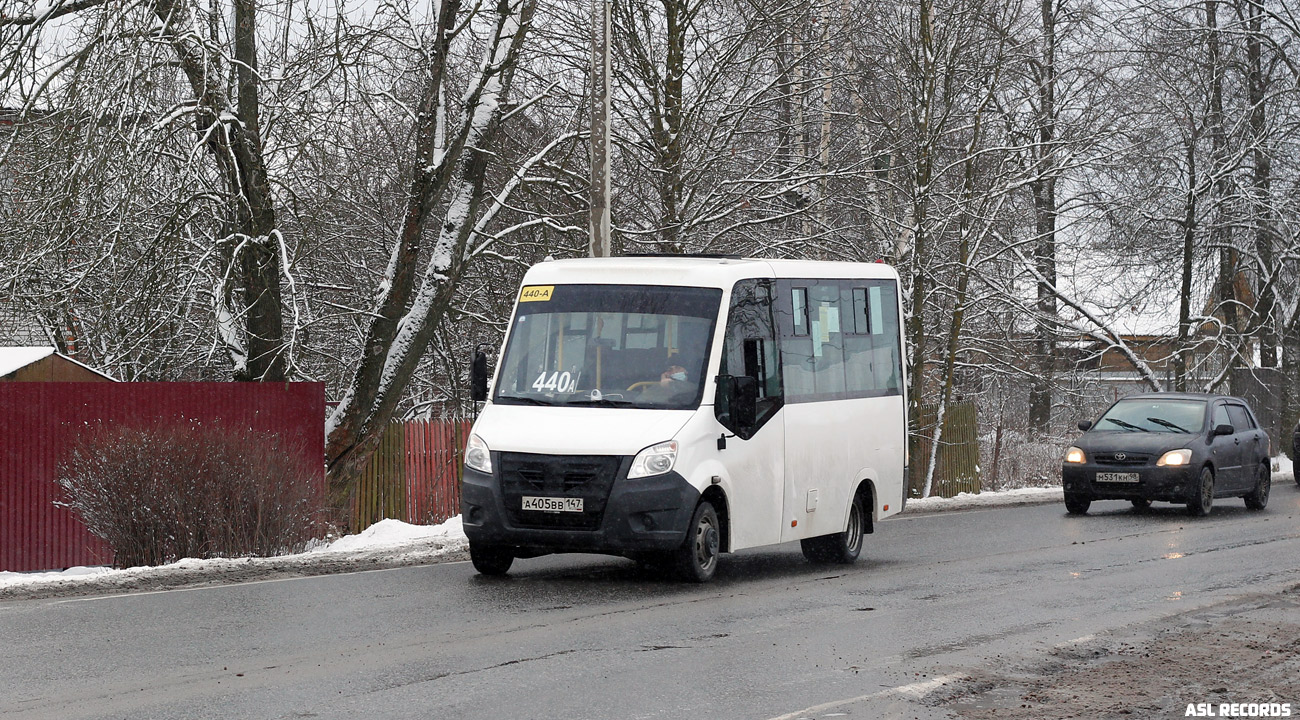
934	598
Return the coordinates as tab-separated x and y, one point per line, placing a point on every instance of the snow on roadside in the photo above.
387	539
392	533
1283	470
394	541
962	501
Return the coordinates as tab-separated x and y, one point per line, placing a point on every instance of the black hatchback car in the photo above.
1186	448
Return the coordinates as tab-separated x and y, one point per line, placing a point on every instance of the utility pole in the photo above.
601	39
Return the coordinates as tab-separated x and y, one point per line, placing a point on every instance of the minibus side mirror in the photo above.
743	392
1085	425
478	377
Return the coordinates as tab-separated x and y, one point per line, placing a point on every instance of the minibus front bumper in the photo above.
637	517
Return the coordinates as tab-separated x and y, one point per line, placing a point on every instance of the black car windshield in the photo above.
1154	415
641	346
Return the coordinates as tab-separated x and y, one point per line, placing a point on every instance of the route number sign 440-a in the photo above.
536	293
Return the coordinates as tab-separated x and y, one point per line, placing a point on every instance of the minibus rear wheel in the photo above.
697	558
490	559
842	547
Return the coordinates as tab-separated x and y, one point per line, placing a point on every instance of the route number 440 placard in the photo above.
555	382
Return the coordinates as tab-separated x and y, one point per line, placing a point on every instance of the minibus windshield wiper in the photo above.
1127	425
602	402
525	399
1166	423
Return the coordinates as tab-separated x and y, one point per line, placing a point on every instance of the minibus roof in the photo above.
694	271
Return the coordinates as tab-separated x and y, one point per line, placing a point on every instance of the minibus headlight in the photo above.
1175	457
477	455
1075	456
654	460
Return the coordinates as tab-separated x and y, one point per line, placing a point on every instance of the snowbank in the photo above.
392	534
396	542
1019	496
391	540
1283	469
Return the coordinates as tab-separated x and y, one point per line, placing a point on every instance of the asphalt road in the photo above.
591	637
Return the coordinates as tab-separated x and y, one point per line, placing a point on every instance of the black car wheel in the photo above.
1257	499
1077	503
1141	504
491	560
1201	499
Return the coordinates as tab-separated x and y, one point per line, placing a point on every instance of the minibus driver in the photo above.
671	386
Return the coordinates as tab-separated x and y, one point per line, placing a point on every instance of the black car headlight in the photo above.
1175	458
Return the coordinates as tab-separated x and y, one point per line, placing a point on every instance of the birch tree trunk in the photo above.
923	179
1220	189
1261	178
1183	356
406	317
1045	211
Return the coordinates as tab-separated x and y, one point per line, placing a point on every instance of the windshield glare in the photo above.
609	345
1167	416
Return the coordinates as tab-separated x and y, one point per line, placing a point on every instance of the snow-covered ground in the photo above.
1019	496
394	542
388	541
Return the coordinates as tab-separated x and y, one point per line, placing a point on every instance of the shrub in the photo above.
158	494
1019	459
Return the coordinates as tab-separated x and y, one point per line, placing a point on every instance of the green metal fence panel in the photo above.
957	467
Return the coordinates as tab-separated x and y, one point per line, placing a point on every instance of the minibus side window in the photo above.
851	347
882	301
827	324
859	355
861	325
799	298
749	348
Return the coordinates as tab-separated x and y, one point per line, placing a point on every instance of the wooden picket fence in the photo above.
414	476
957	467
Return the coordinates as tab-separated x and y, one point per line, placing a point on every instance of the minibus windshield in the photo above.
639	346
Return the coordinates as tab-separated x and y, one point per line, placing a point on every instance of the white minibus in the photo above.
672	408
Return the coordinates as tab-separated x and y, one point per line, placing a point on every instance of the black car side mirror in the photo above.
1085	425
1224	429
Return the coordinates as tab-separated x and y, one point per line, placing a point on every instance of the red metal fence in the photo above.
38	421
414	475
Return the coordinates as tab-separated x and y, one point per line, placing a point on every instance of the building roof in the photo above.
13	359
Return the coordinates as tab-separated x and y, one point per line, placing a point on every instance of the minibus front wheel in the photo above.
697	558
490	559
